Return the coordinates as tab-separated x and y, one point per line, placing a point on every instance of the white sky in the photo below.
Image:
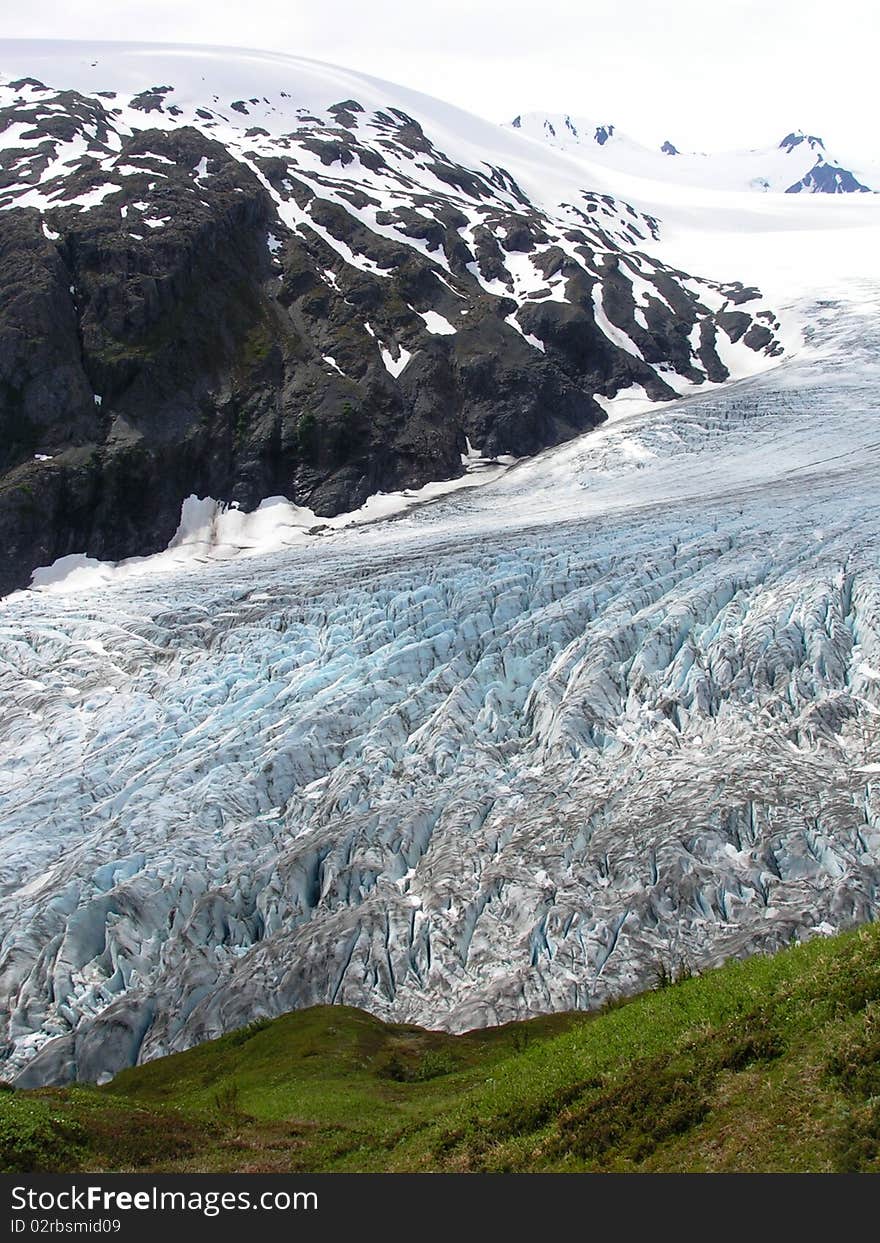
708	74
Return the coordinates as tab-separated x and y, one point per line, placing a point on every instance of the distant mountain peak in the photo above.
796	137
825	178
799	163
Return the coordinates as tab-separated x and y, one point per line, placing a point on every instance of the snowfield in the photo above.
479	753
798	164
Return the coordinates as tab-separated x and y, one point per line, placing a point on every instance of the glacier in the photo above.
507	743
516	749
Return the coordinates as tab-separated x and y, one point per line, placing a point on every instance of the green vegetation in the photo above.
257	344
768	1064
348	432
33	1137
306	435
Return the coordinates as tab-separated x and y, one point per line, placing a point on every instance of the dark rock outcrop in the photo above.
263	318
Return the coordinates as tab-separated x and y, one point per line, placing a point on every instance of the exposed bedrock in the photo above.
319	315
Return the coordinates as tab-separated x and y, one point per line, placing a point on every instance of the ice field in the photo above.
507	752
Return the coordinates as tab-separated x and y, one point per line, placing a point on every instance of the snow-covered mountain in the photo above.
247	275
799	163
609	707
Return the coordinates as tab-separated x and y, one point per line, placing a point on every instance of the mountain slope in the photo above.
245	276
769	1065
798	164
611	704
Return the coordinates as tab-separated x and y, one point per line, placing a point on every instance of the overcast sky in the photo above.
705	73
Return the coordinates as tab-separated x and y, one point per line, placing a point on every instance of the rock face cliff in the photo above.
288	290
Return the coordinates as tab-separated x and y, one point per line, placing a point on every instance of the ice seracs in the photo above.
503	755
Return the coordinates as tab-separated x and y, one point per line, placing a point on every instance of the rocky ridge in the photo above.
245	297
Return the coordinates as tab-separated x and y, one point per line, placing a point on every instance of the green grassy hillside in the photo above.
769	1064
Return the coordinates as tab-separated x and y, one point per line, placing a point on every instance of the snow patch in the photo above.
435	323
395	365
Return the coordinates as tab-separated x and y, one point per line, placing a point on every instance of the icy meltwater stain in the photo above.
503	754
